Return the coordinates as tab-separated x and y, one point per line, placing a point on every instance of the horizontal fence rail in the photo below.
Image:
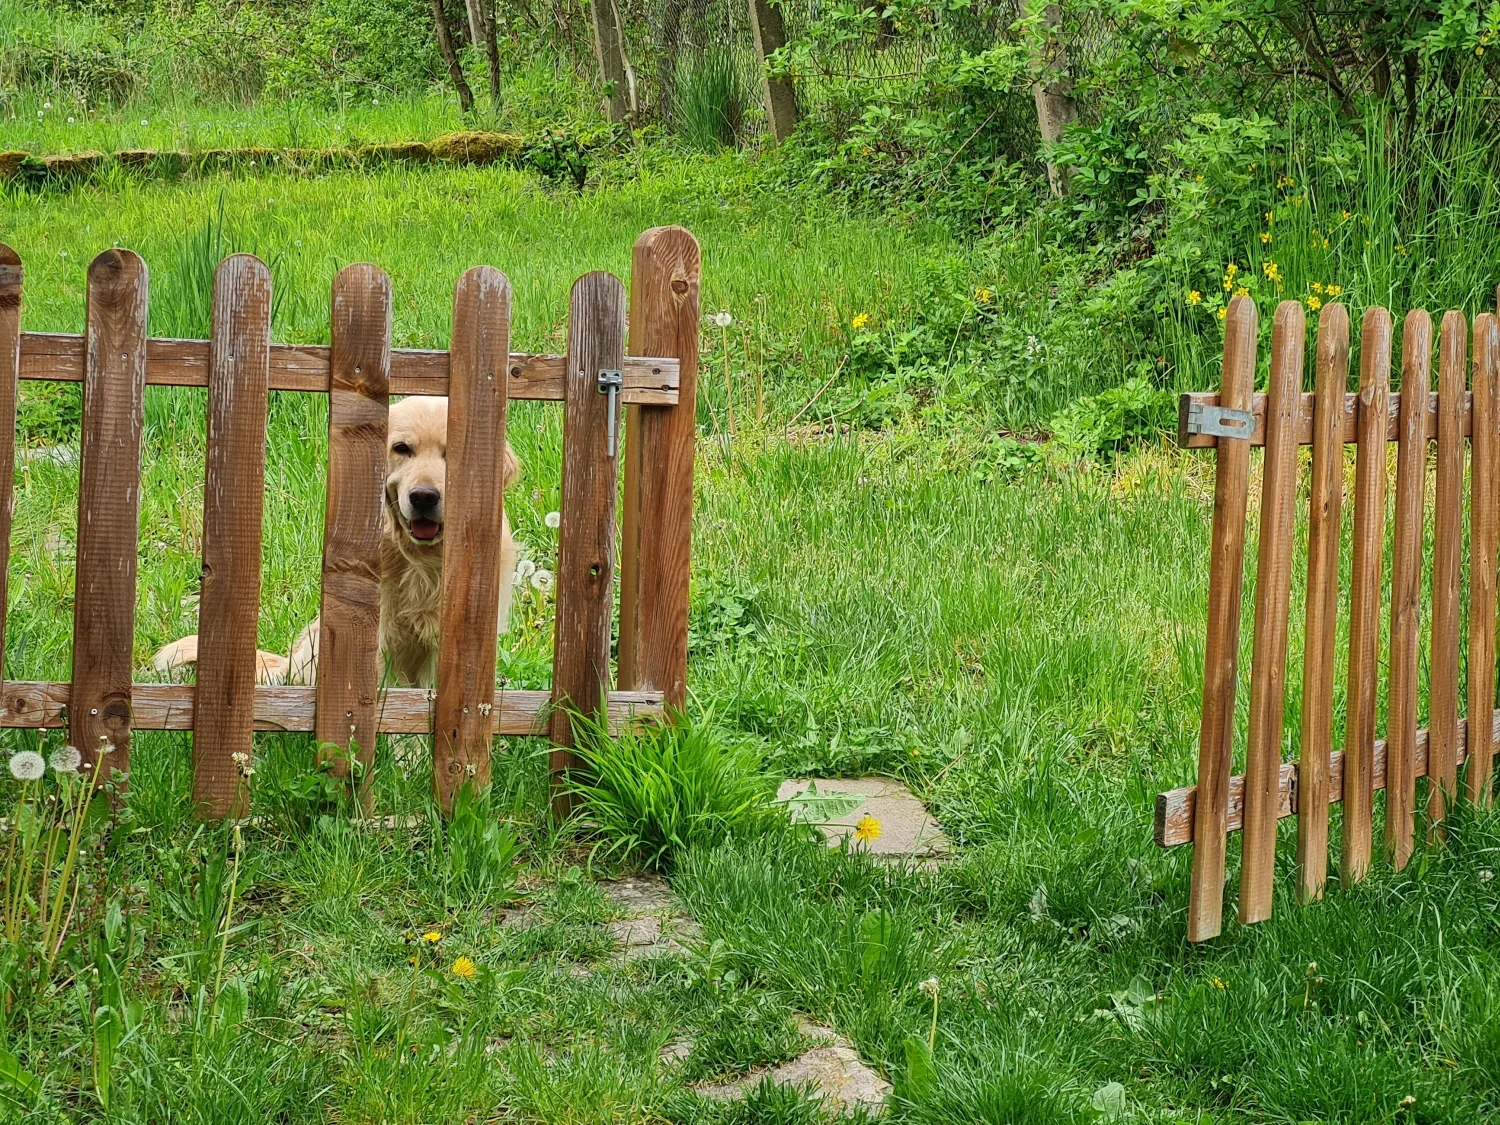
463	709
306	367
1447	440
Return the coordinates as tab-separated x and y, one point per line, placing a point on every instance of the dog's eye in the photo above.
401	449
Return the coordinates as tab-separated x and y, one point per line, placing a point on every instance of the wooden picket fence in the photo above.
1281	420
654	388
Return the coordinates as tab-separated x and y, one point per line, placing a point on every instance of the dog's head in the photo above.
416	469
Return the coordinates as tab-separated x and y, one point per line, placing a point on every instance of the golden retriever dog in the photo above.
411	559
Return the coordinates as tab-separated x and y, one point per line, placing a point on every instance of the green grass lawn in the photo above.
1022	647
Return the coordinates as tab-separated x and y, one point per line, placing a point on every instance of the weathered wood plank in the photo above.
229	597
306	367
349	617
12	275
656	538
586	540
1226	576
1484	539
1447	570
1273	594
109	506
1325	502
1368	549
1406	590
472	514
33	705
1176	807
1305	419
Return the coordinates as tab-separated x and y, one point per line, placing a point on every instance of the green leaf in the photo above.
1109	1102
921	1071
20	1081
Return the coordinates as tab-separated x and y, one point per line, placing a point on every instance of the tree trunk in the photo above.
491	50
1053	90
450	56
608	50
777	90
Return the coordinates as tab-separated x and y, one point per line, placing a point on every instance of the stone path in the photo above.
907	829
654	921
830	1070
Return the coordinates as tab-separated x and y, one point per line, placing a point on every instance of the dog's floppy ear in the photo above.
510	469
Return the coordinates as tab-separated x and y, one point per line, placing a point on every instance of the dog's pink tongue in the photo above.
425	529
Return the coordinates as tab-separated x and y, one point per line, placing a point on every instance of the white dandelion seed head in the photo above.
524	570
1486	875
144	123
46	105
542	581
65	759
553	520
722	318
71	120
929	987
27	765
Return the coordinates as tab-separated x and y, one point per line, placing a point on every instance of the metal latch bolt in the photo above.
610	383
1219	421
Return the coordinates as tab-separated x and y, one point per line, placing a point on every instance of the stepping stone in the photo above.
653	923
831	1071
907	829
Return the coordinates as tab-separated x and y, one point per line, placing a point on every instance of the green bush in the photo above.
652	792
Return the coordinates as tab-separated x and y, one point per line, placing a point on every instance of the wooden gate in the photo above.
597	382
1284	418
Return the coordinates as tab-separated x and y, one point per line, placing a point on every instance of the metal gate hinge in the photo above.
1219	421
611	383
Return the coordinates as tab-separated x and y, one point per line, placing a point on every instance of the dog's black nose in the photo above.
424	499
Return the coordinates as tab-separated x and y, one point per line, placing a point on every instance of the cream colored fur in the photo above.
411	571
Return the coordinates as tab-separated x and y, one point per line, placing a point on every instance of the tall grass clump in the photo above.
653	792
712	101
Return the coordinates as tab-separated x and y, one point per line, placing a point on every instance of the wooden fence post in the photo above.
1273	588
479	365
234	497
109	507
1226	578
1406	587
12	274
586	541
1482	548
1447	563
349	618
656	542
1325	502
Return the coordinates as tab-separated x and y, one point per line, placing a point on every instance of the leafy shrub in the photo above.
1113	419
654	791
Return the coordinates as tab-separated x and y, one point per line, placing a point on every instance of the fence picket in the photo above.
1325	502
1447	545
464	723
1273	592
656	538
1221	651
1406	586
349	620
109	505
1364	593
12	274
586	540
1482	548
234	491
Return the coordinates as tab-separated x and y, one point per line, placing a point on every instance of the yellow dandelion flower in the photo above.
1333	290
1270	217
1265	237
1344	215
1216	982
465	968
1317	287
1222	313
432	937
1314	304
983	294
1242	291
1194	297
411	960
860	320
867	829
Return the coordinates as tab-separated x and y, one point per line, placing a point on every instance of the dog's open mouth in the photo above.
424	531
